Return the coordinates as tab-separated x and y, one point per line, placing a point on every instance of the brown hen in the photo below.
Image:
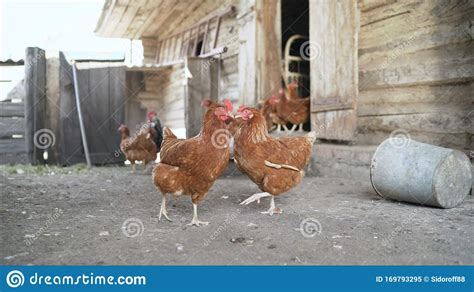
274	164
138	148
190	166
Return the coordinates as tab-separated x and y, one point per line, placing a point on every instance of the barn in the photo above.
372	68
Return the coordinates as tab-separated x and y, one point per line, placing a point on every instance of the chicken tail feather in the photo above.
278	166
167	133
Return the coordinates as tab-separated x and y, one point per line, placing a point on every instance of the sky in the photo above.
66	25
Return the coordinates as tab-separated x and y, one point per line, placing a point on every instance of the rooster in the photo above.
292	109
154	123
139	148
274	164
190	166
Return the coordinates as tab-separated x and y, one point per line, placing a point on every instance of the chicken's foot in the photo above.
163	209
195	220
273	209
255	197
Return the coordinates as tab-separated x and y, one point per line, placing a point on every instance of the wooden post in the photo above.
35	103
79	114
334	28
268	40
198	88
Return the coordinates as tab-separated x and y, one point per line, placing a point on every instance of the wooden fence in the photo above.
48	120
12	140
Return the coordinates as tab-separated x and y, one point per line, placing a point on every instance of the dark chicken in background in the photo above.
191	166
274	164
155	123
138	148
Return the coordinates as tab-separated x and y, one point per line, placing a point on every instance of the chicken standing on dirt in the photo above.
274	164
139	148
268	110
190	166
293	109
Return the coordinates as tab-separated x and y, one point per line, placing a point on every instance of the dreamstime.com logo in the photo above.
132	227
310	50
310	227
44	138
15	279
221	139
400	138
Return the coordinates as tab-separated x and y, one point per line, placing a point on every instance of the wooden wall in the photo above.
163	92
12	122
416	71
164	89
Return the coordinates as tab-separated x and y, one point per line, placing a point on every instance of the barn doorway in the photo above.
295	43
296	48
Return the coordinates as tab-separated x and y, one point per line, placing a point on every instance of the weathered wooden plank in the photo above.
13	158
456	94
9	109
198	88
35	100
452	122
114	19
8	146
433	73
11	126
269	55
127	18
334	66
367	5
436	36
247	53
455	141
421	17
71	141
150	17
415	52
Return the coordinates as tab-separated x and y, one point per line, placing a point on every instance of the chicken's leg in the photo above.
195	220
300	128
286	128
163	208
273	209
133	167
278	128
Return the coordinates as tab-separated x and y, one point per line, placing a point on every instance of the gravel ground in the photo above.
73	216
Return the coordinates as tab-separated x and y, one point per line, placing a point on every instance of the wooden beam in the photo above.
334	68
35	100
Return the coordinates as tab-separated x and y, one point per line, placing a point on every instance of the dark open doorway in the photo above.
296	48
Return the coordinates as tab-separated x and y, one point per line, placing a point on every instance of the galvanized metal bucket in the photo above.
420	173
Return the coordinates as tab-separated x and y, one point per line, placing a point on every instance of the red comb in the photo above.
228	105
241	108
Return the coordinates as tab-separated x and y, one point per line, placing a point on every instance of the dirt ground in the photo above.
107	216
